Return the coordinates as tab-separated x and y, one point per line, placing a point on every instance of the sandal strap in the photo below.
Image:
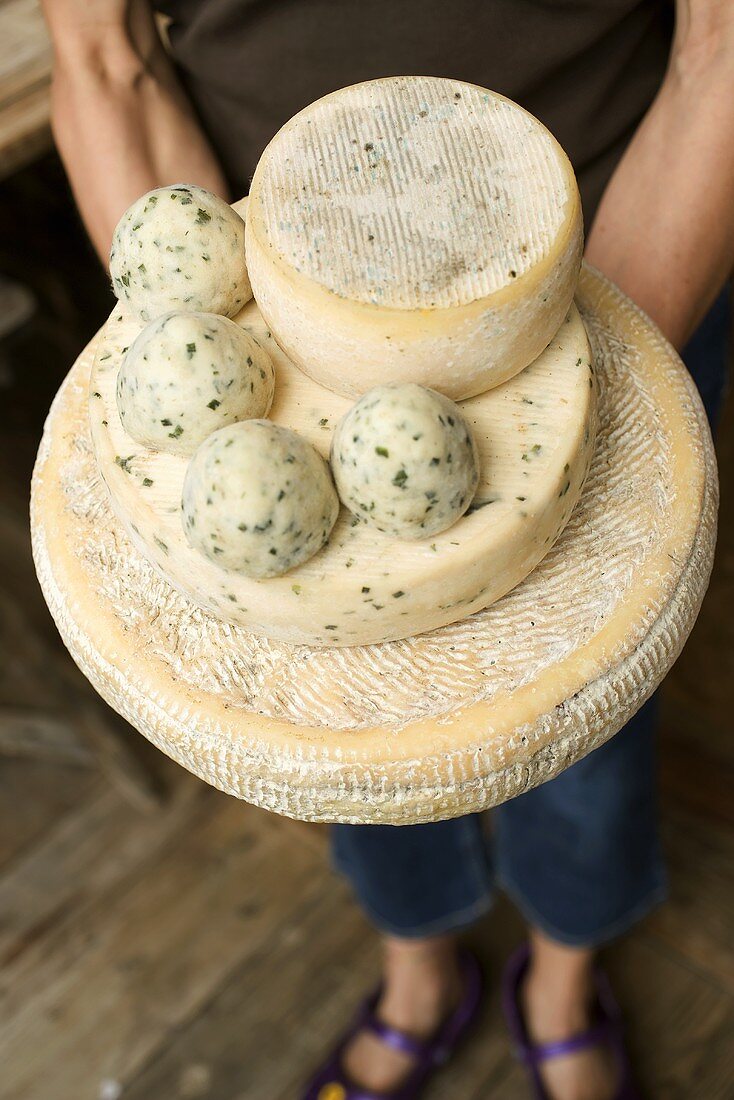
397	1040
535	1053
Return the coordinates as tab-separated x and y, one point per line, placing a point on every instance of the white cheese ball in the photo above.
404	460
258	498
180	247
188	374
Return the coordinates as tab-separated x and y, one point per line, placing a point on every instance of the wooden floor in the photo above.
204	949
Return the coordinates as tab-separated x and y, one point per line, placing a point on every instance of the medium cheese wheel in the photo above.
534	434
443	724
413	229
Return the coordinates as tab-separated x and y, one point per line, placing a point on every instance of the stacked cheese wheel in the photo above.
411	242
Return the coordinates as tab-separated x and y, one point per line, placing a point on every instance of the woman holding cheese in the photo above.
641	95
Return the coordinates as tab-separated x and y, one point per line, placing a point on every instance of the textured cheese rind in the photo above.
188	374
535	437
447	254
180	247
258	499
405	460
448	723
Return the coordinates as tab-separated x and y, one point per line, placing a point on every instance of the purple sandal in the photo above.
606	1031
331	1082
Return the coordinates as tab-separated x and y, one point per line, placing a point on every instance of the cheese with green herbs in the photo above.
188	374
534	435
405	460
413	229
435	726
180	247
258	499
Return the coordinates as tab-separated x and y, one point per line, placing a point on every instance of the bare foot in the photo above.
557	1001
422	985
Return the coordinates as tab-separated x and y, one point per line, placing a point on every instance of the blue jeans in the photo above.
580	855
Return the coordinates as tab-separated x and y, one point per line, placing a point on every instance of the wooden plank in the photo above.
325	960
696	922
173	986
25	731
695	779
84	860
34	798
25	77
679	1026
141	963
260	1035
25	48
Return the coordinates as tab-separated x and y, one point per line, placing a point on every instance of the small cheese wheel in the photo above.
258	498
413	229
180	247
404	459
188	374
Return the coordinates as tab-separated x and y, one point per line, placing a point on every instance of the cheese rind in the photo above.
405	461
258	499
413	229
535	437
188	374
445	724
180	247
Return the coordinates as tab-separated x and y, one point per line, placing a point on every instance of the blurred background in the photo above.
159	940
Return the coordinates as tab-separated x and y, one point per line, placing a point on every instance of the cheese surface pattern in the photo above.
534	435
434	726
414	229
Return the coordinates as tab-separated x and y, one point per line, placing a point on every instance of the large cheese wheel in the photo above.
442	724
413	229
535	436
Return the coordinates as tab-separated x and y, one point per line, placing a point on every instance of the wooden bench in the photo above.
25	83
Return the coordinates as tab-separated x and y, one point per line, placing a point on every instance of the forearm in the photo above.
664	231
123	126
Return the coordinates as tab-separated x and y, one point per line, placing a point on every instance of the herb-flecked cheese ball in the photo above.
258	498
188	374
404	460
180	247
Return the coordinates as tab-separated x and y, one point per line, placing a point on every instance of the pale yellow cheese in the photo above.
535	437
438	725
413	229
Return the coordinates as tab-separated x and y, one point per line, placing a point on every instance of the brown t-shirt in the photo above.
589	69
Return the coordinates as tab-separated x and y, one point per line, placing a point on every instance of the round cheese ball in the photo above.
405	460
258	498
188	374
180	248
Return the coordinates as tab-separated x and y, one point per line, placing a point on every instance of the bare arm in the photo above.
121	121
665	227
